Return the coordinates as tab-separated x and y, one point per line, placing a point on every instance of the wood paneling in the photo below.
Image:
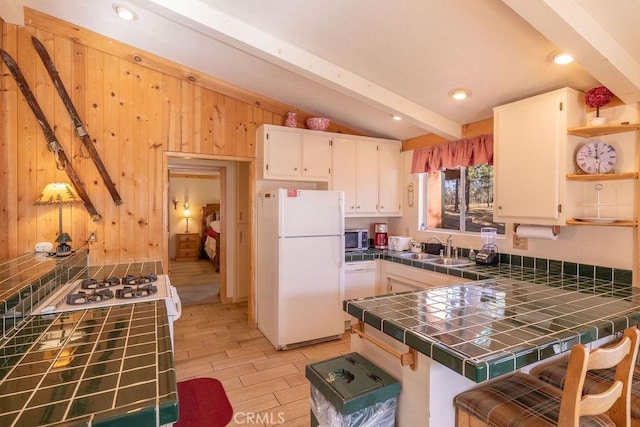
136	107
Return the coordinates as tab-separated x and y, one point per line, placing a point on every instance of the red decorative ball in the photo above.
598	97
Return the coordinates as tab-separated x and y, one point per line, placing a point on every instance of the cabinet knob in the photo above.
305	169
295	169
499	207
381	207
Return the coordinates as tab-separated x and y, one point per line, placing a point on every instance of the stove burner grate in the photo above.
139	291
140	280
82	297
99	284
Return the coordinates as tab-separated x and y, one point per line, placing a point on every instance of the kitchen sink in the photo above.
457	262
419	256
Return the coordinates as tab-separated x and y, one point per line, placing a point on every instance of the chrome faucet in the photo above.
449	248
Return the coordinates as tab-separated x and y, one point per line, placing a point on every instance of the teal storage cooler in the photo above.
351	391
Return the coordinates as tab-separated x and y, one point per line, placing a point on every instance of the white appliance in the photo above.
101	291
359	282
300	263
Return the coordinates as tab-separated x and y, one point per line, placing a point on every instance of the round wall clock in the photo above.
596	157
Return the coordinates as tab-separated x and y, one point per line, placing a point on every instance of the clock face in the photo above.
596	157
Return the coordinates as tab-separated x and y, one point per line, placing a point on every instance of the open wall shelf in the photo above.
602	176
590	131
620	223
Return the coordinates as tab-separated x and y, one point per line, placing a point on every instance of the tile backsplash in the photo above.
26	280
616	275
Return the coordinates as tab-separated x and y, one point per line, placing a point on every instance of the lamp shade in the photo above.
63	238
58	193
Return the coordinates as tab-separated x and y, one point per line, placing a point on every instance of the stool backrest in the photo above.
616	400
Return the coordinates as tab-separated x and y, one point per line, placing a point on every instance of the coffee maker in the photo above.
380	235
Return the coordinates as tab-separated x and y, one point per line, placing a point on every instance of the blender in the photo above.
488	255
380	235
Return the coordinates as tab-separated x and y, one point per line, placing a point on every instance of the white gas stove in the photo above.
89	293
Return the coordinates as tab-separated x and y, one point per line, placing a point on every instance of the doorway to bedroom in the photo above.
194	237
214	256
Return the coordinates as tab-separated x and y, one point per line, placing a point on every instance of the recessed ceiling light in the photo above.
124	12
559	57
396	117
459	93
562	58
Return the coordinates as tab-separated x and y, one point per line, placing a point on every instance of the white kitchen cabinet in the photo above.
366	166
368	170
293	154
359	281
400	277
389	178
343	171
531	157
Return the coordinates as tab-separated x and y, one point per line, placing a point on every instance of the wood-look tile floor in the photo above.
265	386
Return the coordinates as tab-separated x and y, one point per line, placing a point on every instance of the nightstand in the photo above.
187	246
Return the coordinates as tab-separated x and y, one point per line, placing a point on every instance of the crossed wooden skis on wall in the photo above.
62	161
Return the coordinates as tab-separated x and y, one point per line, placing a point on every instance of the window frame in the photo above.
423	199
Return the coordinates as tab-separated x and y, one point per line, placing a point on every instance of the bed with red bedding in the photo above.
210	234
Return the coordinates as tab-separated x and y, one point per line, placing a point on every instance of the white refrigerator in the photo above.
300	262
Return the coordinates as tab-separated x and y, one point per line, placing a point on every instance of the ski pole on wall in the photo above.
81	131
62	161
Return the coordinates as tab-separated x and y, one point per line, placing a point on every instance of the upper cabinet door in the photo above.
389	178
292	154
343	171
366	177
530	163
282	154
316	156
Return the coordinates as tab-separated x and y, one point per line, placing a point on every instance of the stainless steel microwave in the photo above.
356	239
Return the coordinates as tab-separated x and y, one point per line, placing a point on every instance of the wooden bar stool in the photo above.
524	400
555	373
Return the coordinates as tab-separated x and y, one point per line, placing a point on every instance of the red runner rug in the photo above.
202	402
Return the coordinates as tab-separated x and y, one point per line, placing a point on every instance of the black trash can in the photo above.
351	391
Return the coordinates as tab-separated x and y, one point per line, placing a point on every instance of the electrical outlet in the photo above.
519	242
92	237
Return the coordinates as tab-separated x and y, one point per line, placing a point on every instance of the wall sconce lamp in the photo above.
175	203
186	214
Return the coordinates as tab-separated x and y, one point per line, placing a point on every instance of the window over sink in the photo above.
458	199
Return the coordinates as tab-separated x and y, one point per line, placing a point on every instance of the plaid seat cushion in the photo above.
596	381
520	400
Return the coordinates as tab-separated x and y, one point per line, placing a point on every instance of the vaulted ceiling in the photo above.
358	62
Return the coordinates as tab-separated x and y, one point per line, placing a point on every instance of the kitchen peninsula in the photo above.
101	366
508	318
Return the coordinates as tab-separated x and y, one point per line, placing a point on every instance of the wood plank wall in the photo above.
136	107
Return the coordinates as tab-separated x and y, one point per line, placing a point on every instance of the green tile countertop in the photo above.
109	366
101	367
509	317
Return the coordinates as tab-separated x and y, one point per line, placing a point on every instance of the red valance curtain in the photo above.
450	155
